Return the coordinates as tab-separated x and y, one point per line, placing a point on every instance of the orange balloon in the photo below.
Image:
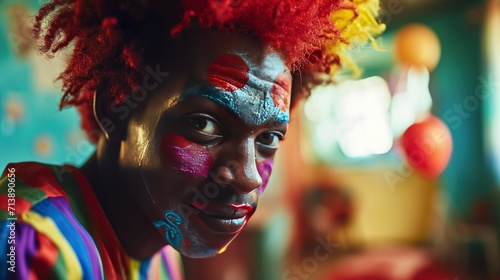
427	146
417	45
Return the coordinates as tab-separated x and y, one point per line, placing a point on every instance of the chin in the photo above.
197	252
205	234
195	247
201	234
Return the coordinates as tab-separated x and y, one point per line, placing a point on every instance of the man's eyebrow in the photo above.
275	122
213	94
229	100
209	91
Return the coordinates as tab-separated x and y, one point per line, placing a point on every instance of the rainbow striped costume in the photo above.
61	231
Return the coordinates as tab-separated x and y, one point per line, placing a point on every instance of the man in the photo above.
187	102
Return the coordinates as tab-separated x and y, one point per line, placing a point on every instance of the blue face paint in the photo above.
172	232
253	103
251	108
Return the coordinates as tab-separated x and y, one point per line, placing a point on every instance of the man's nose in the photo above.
238	168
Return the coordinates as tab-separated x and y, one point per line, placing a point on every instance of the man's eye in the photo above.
201	128
270	139
204	124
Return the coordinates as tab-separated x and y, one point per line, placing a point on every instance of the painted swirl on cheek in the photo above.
264	168
171	223
186	156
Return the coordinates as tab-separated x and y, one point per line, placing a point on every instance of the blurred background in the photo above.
391	175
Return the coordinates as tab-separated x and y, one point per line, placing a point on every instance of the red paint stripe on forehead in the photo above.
281	90
228	72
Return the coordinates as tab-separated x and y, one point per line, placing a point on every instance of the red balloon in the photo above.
427	146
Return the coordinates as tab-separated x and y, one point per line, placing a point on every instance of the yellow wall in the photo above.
401	213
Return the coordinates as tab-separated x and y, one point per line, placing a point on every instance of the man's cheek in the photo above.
265	169
183	155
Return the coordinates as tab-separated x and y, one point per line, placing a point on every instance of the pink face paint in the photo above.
185	155
228	72
264	168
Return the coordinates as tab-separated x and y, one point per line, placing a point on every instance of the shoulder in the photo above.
23	185
47	238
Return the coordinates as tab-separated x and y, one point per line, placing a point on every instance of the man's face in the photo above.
199	151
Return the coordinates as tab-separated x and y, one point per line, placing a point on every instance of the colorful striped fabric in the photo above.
54	237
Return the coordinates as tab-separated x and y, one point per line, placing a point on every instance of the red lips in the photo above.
224	218
224	211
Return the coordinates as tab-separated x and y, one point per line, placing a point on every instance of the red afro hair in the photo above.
110	37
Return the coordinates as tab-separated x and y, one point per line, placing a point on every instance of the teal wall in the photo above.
40	120
456	81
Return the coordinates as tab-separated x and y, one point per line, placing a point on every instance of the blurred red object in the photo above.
427	146
389	264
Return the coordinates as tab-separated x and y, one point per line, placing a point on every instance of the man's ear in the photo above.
106	113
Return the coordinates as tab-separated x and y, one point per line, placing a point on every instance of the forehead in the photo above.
255	90
235	71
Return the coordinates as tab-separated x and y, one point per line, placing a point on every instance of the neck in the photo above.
137	235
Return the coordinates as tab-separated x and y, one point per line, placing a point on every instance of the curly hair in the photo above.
110	37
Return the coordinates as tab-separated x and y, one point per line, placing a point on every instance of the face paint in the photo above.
280	92
264	168
228	72
186	156
246	90
171	223
254	93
